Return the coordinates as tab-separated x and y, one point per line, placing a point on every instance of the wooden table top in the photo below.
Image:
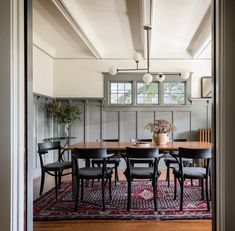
120	146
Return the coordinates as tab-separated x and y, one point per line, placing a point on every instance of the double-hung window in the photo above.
174	93
120	93
129	90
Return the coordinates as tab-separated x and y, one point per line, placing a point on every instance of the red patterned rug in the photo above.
47	208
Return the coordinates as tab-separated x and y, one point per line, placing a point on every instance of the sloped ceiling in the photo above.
113	29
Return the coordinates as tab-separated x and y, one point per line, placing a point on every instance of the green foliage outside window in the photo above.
121	93
147	93
174	93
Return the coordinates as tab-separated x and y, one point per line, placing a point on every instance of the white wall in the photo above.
77	78
83	78
43	70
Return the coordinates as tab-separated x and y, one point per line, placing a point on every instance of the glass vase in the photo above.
67	129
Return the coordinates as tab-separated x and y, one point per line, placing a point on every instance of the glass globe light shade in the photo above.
112	70
147	78
137	56
160	77
185	74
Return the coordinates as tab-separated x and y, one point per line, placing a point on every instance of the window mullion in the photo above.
161	93
134	92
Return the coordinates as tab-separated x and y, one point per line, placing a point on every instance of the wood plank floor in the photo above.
103	225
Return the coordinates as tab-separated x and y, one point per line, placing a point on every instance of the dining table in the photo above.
120	147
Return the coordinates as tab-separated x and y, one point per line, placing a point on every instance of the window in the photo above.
147	93
128	89
174	93
121	93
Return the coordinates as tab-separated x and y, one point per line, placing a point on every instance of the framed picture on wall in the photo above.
206	87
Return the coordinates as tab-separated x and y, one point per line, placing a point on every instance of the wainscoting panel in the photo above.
110	124
200	117
98	121
78	127
143	118
94	122
181	120
128	122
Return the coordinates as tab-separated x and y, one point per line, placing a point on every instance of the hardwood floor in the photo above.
103	225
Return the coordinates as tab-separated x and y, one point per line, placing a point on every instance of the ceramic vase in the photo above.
160	138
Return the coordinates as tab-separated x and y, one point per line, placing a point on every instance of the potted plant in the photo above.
65	114
160	130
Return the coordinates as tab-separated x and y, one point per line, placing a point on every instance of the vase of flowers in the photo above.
160	130
65	114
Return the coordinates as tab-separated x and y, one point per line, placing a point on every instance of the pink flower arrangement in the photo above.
161	126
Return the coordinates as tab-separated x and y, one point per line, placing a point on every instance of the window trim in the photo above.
185	92
134	78
109	93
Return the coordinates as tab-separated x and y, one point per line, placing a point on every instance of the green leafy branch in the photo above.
64	113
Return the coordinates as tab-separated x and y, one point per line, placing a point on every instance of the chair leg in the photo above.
207	195
92	182
181	193
175	187
129	194
82	188
110	190
98	165
191	182
210	186
59	177
168	175
42	182
202	188
56	185
154	183
103	194
116	174
77	195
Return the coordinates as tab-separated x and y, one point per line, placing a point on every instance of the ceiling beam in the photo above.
72	13
133	12
202	36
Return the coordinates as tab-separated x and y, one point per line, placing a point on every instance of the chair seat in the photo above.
148	161
109	161
141	172
93	172
169	161
191	172
58	166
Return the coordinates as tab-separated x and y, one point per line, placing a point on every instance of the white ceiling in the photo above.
113	29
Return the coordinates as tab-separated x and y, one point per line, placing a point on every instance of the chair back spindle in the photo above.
205	134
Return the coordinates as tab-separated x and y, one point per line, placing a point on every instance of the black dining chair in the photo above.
102	173
202	173
141	161
170	161
133	172
114	161
54	169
